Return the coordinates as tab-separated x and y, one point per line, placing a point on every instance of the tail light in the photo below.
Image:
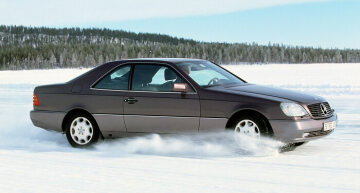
35	100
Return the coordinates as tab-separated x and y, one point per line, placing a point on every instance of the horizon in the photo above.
324	24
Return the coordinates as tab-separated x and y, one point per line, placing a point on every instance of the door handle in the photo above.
131	100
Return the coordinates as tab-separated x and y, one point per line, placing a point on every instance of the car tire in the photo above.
250	125
81	130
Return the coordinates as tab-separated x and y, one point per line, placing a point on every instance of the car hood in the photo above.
273	91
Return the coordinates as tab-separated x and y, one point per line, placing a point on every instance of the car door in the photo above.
151	106
107	101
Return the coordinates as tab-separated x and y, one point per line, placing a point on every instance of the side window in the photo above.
117	80
154	78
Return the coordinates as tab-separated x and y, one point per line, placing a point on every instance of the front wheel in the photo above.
81	130
300	143
250	126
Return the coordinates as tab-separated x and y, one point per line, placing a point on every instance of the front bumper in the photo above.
292	131
47	119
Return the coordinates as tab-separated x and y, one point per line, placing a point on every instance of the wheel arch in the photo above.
74	111
249	112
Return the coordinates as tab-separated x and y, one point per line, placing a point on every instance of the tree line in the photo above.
24	47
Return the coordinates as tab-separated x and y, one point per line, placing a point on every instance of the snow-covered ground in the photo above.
34	160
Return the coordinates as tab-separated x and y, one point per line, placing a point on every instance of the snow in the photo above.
35	160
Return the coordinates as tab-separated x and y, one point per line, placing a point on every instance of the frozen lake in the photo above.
34	160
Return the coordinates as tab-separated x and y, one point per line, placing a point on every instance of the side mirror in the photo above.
180	87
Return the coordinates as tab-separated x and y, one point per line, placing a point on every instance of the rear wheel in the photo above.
81	130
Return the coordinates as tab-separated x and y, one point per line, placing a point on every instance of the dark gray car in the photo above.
175	95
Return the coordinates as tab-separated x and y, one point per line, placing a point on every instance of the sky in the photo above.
317	23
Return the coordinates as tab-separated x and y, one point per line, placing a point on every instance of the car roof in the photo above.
171	60
112	64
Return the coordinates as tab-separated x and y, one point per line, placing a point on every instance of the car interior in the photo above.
154	78
145	78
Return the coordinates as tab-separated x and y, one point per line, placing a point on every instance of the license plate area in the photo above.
329	126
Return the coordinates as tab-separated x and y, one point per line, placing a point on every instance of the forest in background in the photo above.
24	47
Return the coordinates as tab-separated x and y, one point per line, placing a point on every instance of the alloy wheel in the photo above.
247	127
81	130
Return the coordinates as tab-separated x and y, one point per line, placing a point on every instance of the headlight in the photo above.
293	109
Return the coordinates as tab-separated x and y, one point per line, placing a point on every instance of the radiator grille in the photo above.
320	110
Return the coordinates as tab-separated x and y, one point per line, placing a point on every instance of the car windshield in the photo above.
207	74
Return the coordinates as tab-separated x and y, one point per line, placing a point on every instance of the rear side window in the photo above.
117	80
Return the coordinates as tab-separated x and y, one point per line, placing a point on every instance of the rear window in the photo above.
117	80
